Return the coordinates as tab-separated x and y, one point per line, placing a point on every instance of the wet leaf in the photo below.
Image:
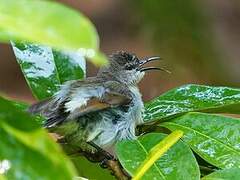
193	98
70	65
46	69
19	105
91	170
177	163
27	150
157	152
215	138
226	174
59	27
23	107
38	67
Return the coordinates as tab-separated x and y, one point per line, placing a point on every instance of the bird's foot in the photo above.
106	155
105	162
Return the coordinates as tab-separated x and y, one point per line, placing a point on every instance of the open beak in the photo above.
143	62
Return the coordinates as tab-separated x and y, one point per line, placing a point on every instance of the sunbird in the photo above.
96	112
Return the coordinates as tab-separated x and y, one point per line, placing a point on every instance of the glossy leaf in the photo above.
215	138
177	163
193	98
46	69
58	26
23	107
157	152
91	170
27	150
19	105
37	64
226	174
70	65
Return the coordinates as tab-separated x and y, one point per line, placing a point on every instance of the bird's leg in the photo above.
111	163
106	155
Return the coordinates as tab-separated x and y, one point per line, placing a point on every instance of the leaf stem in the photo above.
156	152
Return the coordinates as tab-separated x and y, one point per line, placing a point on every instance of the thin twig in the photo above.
112	165
117	170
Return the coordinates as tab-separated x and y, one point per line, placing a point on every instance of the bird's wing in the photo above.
78	98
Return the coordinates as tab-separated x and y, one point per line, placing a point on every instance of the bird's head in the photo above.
127	68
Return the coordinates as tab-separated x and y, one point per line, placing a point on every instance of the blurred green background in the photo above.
198	40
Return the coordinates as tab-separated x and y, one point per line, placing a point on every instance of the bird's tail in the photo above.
39	107
52	110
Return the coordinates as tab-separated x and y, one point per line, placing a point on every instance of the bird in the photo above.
96	112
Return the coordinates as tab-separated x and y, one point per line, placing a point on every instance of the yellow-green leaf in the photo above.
157	151
177	163
48	23
26	150
213	137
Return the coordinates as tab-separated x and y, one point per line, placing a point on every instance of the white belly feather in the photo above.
109	133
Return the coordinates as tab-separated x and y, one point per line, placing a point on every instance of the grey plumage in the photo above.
102	109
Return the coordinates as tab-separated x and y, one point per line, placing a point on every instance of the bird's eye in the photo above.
129	66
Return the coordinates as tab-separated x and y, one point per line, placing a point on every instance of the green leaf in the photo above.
193	98
27	150
19	105
38	67
215	138
45	69
70	65
177	163
98	58
23	107
226	174
91	170
58	26
157	152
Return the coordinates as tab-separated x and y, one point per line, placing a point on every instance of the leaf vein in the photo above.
194	130
159	171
